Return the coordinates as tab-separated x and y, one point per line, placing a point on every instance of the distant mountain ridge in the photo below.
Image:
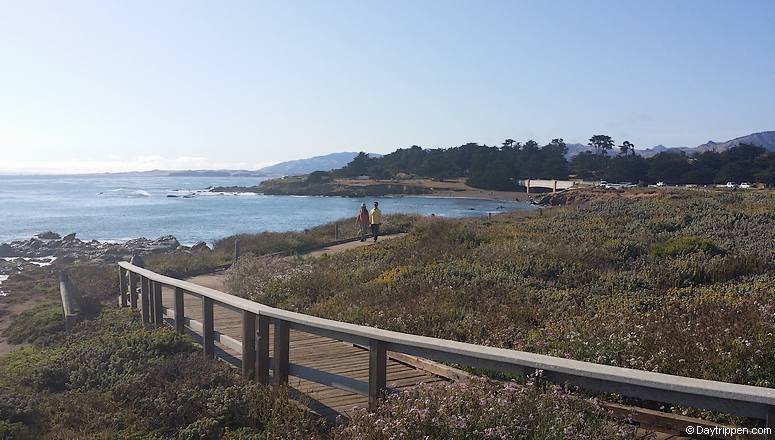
764	139
326	162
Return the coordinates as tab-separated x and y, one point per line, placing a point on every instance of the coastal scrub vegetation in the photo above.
497	168
482	409
679	282
114	378
206	260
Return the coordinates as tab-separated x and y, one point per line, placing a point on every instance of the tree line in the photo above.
499	167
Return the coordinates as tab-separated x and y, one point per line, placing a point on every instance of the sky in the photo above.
115	86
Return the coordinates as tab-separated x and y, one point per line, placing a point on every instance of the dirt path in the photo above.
217	281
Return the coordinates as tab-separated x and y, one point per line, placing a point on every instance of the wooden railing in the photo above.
743	400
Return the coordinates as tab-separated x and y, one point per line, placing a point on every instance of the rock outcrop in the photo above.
70	248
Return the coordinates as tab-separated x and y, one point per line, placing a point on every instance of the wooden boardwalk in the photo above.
311	351
334	357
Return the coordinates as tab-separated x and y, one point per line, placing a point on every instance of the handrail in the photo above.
743	400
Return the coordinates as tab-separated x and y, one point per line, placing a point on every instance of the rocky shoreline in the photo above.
49	247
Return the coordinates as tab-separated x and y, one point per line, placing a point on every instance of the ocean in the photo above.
117	208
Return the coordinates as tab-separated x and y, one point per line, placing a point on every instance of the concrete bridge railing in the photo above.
743	400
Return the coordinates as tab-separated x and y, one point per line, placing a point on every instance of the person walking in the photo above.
376	220
362	221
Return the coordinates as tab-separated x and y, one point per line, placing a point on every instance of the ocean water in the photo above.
117	208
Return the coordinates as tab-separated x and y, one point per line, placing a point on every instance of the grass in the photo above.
114	378
678	282
301	241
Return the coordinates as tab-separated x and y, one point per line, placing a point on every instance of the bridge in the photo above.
552	184
338	365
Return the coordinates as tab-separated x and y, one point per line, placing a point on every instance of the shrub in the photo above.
301	241
183	265
684	245
36	325
115	378
484	410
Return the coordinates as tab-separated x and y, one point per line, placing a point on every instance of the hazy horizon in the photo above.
92	87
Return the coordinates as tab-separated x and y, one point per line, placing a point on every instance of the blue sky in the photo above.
109	85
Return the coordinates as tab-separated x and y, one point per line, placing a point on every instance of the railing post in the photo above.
144	302
248	345
158	310
133	290
122	287
377	372
151	300
282	339
236	250
208	335
262	350
179	311
138	261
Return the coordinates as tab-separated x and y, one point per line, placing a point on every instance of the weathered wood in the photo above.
743	400
249	345
122	286
158	317
70	308
208	341
236	250
144	298
262	350
180	309
133	290
377	372
281	352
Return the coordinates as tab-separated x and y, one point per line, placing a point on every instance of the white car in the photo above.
660	184
745	185
731	185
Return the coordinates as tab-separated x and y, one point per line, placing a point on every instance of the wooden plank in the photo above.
158	313
281	352
262	350
318	347
122	287
179	310
133	290
377	372
144	302
249	345
208	340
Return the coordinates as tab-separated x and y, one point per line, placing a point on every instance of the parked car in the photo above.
731	185
660	184
745	185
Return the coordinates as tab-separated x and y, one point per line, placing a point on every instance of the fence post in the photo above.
248	345
179	311
133	290
144	302
122	274
282	339
138	261
336	231
236	250
208	334
377	372
158	309
262	350
69	300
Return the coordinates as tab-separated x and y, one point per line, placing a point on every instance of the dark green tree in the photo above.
601	144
